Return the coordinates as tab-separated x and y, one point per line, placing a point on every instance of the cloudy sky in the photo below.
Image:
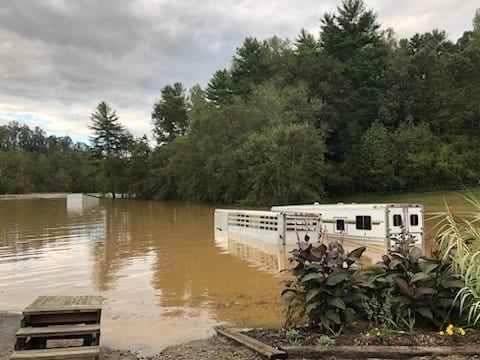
60	58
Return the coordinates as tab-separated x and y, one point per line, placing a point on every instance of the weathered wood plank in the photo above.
56	310
37	337
80	352
266	350
379	352
45	304
57	330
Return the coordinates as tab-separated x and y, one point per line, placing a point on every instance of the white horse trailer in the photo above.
366	224
272	227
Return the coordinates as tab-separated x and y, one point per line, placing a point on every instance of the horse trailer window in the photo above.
414	220
340	225
397	220
363	222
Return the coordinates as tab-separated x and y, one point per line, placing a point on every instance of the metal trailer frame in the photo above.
272	227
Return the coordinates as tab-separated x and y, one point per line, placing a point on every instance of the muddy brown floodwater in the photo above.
163	277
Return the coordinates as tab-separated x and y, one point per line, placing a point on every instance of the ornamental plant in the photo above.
324	289
423	288
376	300
460	237
452	331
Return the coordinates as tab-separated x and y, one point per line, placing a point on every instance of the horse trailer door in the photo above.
396	222
414	221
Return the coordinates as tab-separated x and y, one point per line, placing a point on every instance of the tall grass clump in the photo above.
459	238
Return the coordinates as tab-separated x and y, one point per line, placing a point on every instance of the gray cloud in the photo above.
59	58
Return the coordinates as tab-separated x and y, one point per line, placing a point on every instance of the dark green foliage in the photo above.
111	143
219	89
109	135
139	169
324	287
169	115
422	289
377	149
14	136
257	62
14	170
31	161
284	165
406	290
351	39
250	151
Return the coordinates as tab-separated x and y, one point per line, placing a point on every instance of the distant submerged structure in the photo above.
78	202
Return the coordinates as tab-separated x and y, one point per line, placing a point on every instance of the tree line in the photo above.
352	110
32	161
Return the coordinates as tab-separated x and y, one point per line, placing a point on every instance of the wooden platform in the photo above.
51	310
60	318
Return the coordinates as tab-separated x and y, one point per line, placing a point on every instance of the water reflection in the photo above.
275	258
272	258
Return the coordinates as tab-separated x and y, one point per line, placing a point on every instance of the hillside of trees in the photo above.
352	109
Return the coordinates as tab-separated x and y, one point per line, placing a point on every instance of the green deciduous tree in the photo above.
376	162
33	161
139	171
15	169
416	149
284	165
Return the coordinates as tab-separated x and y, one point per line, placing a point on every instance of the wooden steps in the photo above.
60	318
59	330
77	352
25	335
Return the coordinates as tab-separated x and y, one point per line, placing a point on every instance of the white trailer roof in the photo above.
350	206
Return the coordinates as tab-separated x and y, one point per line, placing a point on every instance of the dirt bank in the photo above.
215	348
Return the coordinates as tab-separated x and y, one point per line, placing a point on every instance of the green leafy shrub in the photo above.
325	287
375	298
422	288
377	305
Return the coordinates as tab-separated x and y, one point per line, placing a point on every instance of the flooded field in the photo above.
157	266
163	276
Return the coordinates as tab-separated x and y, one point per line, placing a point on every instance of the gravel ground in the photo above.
215	348
9	324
